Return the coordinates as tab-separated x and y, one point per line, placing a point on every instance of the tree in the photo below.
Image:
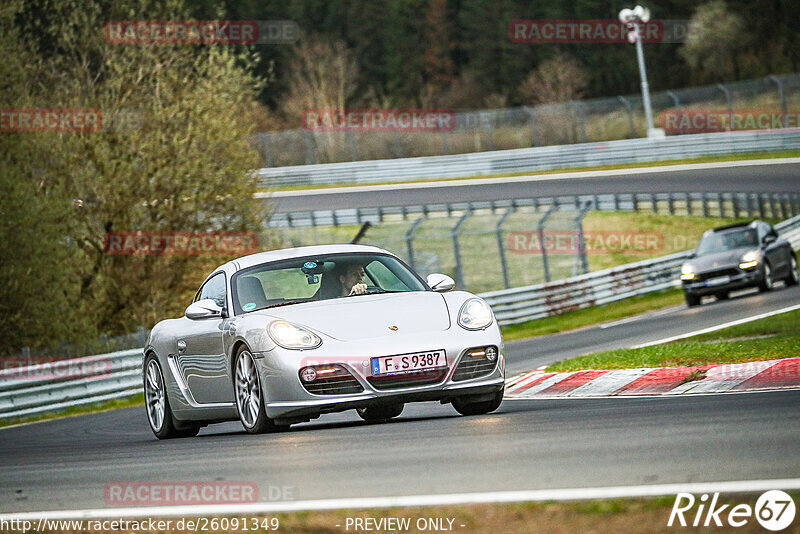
184	164
558	79
715	41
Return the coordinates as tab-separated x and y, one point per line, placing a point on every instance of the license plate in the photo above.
403	363
718	280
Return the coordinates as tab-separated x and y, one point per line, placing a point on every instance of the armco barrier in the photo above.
119	374
532	159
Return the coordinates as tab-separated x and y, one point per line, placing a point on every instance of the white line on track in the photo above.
527	178
719	326
566	494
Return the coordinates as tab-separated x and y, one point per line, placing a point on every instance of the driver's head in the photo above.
351	275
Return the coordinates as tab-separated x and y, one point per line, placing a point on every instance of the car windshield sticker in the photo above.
309	265
249	306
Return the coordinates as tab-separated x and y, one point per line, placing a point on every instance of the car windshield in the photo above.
722	241
322	277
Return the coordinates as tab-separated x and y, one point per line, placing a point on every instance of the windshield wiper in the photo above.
284	304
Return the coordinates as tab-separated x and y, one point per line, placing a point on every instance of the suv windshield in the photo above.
722	241
323	277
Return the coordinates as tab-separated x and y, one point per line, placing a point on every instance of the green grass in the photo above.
764	339
135	400
591	316
700	159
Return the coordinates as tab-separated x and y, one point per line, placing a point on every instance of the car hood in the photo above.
370	316
719	260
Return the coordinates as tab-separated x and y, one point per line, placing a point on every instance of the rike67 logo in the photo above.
774	510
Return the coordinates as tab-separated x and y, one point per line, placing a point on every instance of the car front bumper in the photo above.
285	397
738	280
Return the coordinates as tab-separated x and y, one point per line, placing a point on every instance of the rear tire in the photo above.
794	274
691	300
376	414
766	279
465	407
159	414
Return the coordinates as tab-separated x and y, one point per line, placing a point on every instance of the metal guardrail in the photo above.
532	159
118	374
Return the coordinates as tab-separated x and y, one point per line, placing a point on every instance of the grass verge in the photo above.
764	339
701	159
591	316
114	404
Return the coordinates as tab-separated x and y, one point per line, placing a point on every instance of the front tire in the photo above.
249	397
465	407
691	300
766	279
159	414
376	414
794	274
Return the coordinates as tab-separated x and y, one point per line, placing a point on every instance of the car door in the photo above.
200	349
774	252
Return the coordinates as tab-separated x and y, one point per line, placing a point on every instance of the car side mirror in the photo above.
769	238
203	309
440	282
692	255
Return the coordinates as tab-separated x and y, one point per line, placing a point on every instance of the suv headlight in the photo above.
750	259
687	271
291	336
475	314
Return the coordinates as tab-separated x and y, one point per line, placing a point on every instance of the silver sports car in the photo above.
281	337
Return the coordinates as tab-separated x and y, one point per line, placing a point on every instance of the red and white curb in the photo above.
737	377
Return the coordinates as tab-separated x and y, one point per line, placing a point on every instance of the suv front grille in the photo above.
699	277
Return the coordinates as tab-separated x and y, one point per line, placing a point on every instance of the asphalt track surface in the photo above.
525	445
765	178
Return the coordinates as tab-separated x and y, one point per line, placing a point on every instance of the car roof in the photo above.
296	252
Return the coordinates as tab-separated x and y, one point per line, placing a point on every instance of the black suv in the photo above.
736	256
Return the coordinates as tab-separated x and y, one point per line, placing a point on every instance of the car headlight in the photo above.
750	259
687	271
291	336
475	314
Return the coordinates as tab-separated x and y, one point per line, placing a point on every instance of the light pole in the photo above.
634	18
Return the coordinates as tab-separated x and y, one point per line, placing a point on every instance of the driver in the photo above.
352	280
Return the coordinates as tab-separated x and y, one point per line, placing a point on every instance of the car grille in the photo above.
699	277
474	364
408	380
340	382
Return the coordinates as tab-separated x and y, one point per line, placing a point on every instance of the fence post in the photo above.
351	139
311	152
264	138
487	126
580	254
580	126
540	227
729	102
142	335
410	239
781	93
629	109
457	251
501	248
529	111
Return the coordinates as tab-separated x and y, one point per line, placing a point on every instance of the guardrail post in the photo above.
635	200
501	247
457	250
654	202
580	254
540	227
721	204
735	200
760	199
688	203
629	110
773	208
671	203
729	102
795	199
